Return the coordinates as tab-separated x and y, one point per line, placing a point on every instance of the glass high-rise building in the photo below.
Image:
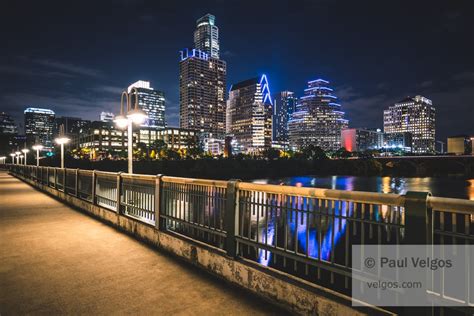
318	119
206	36
39	126
249	115
151	101
283	106
415	115
202	86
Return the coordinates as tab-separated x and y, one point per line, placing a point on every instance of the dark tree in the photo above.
313	152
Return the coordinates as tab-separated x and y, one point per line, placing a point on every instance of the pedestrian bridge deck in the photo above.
55	260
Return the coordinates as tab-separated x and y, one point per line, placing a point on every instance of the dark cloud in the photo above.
109	89
74	69
464	76
426	84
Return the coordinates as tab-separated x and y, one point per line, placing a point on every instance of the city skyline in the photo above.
363	97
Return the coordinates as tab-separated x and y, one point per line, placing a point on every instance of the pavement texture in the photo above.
56	260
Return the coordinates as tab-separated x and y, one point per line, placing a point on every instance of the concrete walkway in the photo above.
55	260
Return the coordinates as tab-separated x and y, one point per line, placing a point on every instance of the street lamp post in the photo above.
37	148
13	158
3	159
17	153
61	140
25	151
126	120
21	159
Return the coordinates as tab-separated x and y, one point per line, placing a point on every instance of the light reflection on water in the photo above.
447	187
454	187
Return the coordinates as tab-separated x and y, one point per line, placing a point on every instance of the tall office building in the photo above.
8	134
318	119
151	101
283	106
7	124
249	115
39	126
206	36
202	82
415	115
72	125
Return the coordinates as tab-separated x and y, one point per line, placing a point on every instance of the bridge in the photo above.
55	260
74	238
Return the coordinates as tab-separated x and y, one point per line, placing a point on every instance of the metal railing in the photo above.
137	197
106	188
306	232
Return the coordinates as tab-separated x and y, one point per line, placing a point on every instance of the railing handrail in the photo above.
453	205
104	173
329	194
138	176
84	171
205	182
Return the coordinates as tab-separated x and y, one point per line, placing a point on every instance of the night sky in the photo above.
75	57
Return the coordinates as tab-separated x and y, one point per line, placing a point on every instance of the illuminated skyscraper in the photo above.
415	115
151	101
283	106
318	119
206	36
202	82
249	115
39	126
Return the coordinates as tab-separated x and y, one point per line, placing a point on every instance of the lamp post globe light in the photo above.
61	140
37	148
127	119
17	153
25	151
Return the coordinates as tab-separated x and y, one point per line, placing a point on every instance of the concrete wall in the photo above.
294	294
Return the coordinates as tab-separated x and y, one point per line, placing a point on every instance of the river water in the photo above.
453	187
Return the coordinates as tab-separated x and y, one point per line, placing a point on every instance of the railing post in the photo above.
76	184
94	176
159	224
64	180
231	223
418	219
418	231
55	178
119	190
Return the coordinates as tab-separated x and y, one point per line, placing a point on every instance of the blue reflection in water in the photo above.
298	221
